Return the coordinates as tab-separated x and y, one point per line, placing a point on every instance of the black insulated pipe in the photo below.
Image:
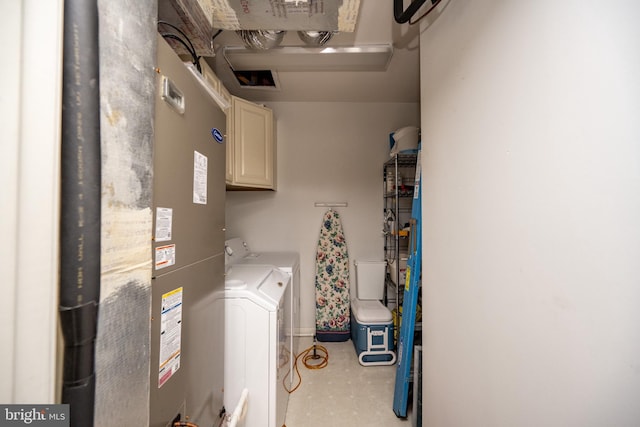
80	208
402	16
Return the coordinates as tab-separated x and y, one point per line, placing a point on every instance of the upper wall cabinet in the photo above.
251	146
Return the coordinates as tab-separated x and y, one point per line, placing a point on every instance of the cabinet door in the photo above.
253	149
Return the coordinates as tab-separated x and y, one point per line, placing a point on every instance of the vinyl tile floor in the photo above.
344	393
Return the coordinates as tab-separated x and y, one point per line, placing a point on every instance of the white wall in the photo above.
327	152
532	209
29	172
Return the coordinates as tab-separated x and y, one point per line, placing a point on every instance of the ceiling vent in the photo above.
257	79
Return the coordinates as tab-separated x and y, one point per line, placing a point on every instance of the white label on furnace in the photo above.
165	256
164	220
170	335
199	178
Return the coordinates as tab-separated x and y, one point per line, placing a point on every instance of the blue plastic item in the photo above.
409	302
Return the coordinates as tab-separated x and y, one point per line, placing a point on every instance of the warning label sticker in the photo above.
165	256
170	335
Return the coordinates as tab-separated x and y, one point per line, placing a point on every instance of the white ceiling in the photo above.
376	25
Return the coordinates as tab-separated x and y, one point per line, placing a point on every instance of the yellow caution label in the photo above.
408	281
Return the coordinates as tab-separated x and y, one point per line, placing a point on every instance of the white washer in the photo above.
237	252
256	349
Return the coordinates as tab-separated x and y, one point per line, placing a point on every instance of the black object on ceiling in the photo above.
402	16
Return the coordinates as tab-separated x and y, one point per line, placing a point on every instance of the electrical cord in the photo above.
176	38
433	6
193	49
307	361
195	59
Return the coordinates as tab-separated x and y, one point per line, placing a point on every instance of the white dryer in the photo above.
256	347
237	252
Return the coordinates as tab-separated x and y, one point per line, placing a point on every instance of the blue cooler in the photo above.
372	332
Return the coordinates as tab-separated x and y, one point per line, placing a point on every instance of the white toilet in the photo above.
371	321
